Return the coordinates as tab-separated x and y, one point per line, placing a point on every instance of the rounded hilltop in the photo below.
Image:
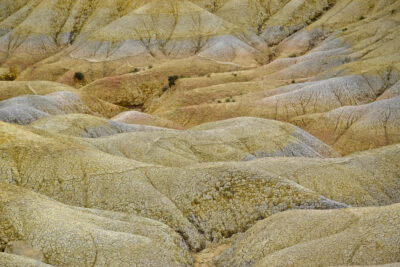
199	133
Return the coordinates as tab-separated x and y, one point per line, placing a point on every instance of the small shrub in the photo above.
362	17
164	88
393	11
79	76
151	66
209	75
135	70
292	55
172	80
344	29
11	75
293	81
234	74
219	101
227	100
233	100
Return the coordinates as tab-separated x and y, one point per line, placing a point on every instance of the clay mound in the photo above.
356	128
41	88
135	117
391	92
107	182
99	181
196	201
324	71
222	199
281	103
14	89
237	139
90	178
75	236
81	125
15	260
169	28
328	238
112	30
139	90
26	109
343	179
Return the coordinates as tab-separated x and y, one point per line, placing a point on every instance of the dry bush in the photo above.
11	75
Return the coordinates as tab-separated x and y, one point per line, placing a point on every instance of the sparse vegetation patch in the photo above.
79	76
11	75
172	80
135	70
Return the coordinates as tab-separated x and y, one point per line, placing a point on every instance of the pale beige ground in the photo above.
201	133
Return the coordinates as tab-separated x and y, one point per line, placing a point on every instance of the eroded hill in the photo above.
199	133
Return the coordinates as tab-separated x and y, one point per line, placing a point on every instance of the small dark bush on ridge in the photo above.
11	75
79	76
135	70
172	80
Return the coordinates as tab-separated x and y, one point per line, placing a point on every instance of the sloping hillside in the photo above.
199	133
